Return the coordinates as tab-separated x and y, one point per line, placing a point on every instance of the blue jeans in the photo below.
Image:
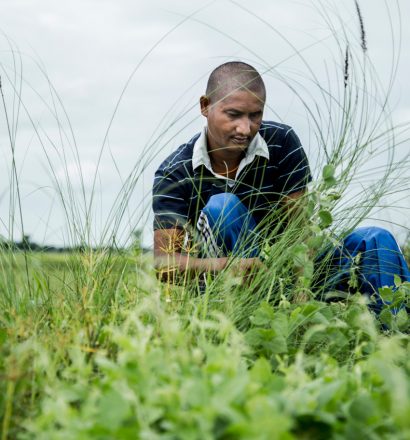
232	225
233	228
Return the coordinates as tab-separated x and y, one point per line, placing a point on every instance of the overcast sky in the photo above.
80	57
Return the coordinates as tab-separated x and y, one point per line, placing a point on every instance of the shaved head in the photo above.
232	76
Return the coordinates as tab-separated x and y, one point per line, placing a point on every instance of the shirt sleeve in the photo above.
294	170
168	202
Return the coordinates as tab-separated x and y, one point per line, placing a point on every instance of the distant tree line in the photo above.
26	244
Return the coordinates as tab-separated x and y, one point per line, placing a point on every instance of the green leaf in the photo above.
257	336
386	316
338	339
261	371
315	242
266	341
310	309
402	319
362	408
386	294
325	218
397	281
294	316
264	315
328	171
334	196
280	324
300	254
330	391
113	409
328	174
310	208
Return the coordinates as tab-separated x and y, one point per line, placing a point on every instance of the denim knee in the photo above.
224	204
370	236
374	232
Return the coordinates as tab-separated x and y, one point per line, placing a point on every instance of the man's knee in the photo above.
223	205
371	235
375	232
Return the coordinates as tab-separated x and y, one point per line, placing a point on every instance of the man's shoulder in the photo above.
280	138
274	132
180	159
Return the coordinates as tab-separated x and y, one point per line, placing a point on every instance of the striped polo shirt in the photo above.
275	164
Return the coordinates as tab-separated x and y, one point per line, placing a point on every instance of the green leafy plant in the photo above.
93	345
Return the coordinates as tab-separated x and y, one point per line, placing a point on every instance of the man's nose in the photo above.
244	127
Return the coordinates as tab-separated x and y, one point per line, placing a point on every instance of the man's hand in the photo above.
248	268
169	259
245	265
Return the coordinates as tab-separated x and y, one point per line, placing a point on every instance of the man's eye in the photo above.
233	114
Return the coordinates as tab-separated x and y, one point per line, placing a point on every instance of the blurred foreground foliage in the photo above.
94	346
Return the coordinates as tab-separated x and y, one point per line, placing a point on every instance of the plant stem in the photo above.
11	385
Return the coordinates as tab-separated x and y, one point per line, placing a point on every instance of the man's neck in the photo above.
225	163
223	158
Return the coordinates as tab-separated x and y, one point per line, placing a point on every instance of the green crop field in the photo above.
94	346
97	344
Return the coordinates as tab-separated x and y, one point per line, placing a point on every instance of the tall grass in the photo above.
93	345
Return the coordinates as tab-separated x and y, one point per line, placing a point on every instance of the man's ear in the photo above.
204	103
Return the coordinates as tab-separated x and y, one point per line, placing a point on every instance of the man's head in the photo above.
233	105
233	76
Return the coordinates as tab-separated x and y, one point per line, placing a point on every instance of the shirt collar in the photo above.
200	156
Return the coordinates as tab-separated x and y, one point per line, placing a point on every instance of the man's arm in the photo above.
169	259
167	254
293	205
170	209
291	200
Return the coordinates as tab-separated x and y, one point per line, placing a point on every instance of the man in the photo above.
236	154
226	184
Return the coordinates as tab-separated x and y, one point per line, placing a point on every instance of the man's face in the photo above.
234	121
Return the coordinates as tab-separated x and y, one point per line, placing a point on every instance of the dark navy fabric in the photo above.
180	193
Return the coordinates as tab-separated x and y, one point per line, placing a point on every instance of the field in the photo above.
94	346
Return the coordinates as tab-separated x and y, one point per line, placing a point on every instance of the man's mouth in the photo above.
240	140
